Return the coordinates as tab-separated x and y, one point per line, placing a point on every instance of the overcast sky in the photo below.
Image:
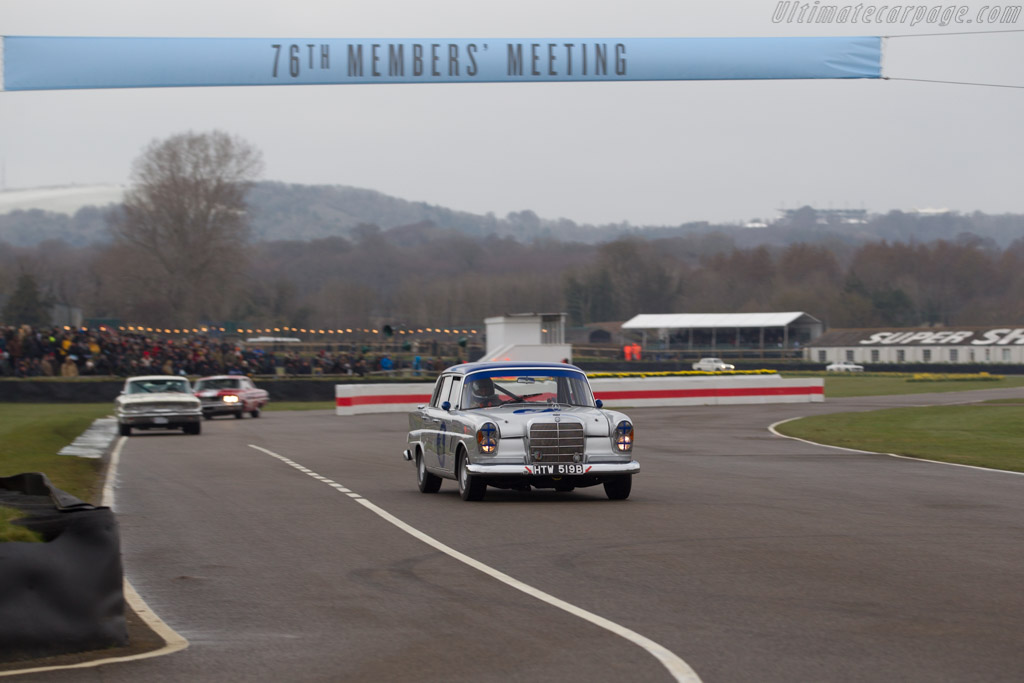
658	153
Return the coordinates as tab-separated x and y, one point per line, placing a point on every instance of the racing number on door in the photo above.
441	444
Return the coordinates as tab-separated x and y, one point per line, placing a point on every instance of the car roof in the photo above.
220	377
150	378
466	368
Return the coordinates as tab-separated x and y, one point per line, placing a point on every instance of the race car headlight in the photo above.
624	437
487	438
229	398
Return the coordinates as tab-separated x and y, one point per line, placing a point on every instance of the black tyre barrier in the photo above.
64	595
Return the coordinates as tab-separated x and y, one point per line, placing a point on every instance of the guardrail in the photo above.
354	399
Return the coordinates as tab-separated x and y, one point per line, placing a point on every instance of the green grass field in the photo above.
884	384
31	434
990	434
984	434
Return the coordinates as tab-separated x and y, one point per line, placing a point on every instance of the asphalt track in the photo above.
749	556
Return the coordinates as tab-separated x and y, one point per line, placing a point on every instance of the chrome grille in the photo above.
556	442
162	407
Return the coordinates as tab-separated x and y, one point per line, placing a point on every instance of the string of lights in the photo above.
279	330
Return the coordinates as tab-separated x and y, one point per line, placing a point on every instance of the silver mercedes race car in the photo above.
519	425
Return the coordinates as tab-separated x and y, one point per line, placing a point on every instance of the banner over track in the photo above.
61	63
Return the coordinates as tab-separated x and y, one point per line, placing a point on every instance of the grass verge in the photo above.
987	434
31	434
889	383
13	532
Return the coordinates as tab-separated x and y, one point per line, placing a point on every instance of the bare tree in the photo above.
185	228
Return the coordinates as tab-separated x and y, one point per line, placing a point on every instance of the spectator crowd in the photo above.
27	351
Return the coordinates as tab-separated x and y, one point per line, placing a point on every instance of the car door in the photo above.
434	423
420	422
448	427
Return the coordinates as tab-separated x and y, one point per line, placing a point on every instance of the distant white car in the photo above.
712	365
157	402
844	366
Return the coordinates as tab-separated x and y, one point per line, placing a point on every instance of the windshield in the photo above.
503	387
153	386
216	384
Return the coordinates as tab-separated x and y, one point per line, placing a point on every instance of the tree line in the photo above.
181	252
428	276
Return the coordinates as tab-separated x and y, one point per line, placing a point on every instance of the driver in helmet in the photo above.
482	393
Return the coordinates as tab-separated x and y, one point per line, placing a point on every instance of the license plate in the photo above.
559	469
159	420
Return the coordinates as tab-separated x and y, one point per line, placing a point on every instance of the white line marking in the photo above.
173	642
678	668
771	428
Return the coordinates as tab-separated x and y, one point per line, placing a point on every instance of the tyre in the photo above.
124	430
470	487
255	412
618	489
193	428
428	483
239	414
207	416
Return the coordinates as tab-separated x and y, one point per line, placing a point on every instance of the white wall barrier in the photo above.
359	399
644	392
356	399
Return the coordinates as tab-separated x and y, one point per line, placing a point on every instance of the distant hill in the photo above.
280	211
65	199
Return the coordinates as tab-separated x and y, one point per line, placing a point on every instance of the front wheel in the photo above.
618	489
125	430
470	487
428	483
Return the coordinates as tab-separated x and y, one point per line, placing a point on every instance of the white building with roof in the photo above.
726	331
527	337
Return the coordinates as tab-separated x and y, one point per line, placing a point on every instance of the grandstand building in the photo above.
938	345
725	332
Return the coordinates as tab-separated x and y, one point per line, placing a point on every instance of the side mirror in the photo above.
600	403
446	406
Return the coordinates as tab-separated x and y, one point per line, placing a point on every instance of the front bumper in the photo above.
219	407
159	420
530	471
536	476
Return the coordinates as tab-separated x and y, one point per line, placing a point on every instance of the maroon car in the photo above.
230	395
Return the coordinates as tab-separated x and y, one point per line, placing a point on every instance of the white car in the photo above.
844	366
158	402
712	365
519	426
